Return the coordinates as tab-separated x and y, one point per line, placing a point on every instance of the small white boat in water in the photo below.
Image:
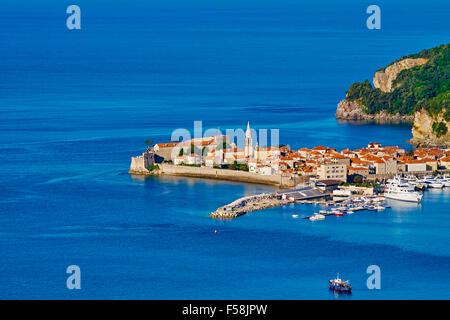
295	216
316	217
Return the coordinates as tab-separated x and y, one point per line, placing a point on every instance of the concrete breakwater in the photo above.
248	204
280	180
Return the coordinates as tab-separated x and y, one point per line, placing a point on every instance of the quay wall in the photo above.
137	167
283	181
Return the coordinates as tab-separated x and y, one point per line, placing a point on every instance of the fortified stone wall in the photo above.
284	181
137	166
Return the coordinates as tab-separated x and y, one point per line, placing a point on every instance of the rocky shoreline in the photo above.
423	133
351	110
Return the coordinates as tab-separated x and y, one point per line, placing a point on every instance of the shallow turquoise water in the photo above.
76	106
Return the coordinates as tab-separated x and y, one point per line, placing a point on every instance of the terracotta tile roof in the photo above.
414	161
357	169
167	145
320	148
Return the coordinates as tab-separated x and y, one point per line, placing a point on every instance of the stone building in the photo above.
333	171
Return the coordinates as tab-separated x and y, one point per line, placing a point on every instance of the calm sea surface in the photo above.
76	105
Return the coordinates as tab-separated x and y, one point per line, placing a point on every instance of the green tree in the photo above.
149	142
194	149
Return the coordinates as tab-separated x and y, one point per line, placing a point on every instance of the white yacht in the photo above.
433	183
397	181
397	192
443	180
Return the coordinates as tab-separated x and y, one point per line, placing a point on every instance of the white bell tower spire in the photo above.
248	152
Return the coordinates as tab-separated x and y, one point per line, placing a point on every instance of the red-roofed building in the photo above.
445	162
320	149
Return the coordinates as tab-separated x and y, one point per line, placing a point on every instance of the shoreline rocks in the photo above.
351	110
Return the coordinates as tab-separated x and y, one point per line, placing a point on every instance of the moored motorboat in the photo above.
317	217
398	192
443	180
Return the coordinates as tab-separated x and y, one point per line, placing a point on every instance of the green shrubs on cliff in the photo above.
426	86
432	54
439	129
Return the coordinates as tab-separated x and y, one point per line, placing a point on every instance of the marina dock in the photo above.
267	200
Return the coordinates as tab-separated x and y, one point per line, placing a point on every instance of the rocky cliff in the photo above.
352	110
383	79
430	131
413	88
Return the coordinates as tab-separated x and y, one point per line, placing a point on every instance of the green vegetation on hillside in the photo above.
426	86
439	129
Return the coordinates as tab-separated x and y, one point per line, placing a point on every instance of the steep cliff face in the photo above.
383	79
413	88
430	131
351	110
354	110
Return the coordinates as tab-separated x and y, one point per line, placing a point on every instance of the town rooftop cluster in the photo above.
319	162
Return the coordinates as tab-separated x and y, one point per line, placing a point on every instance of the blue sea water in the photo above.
76	105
